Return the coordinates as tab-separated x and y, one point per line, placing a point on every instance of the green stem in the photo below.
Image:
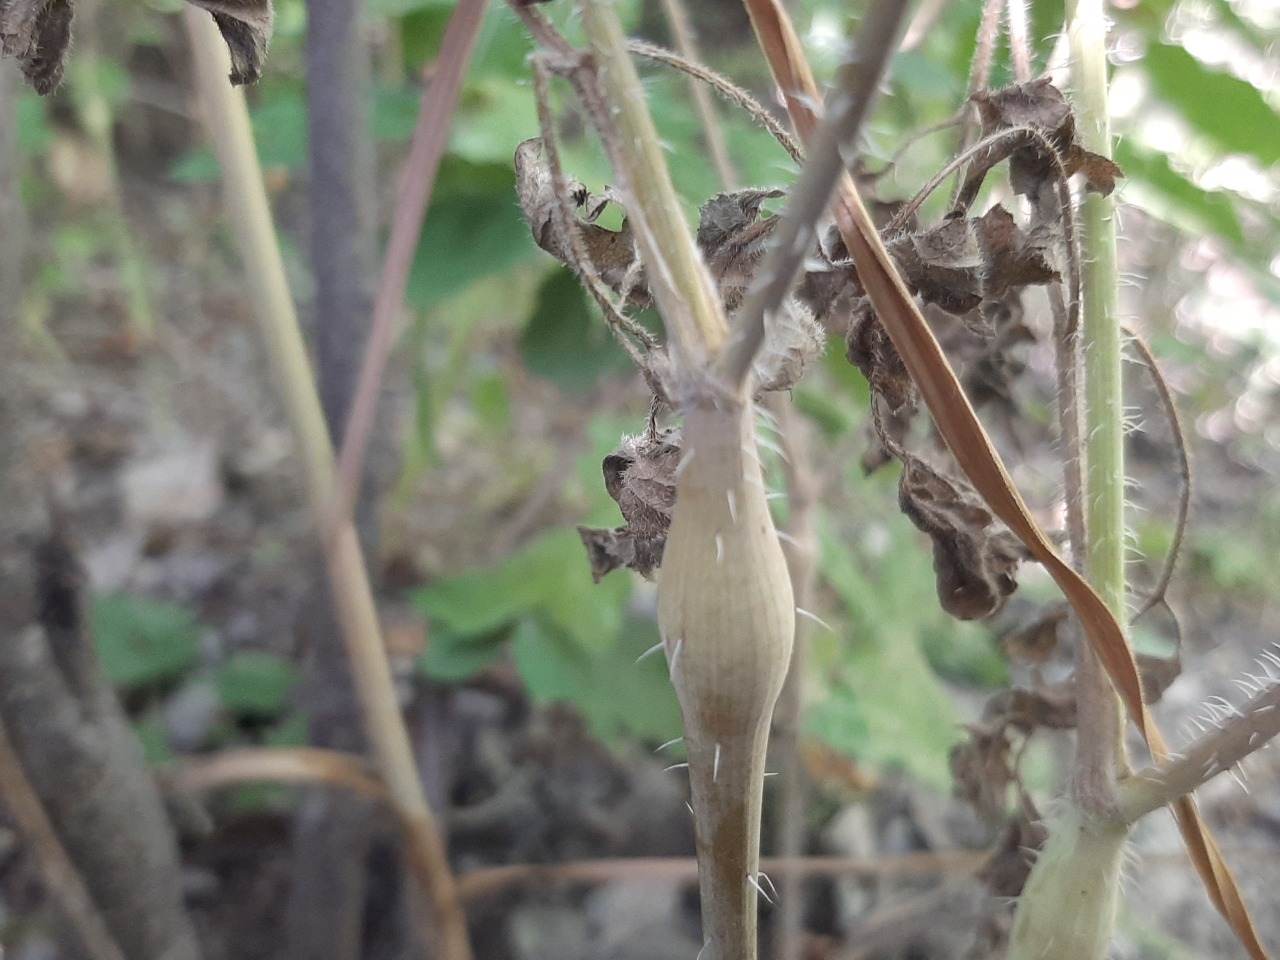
690	307
1101	746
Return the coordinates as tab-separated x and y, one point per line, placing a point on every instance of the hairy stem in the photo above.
1238	732
1101	752
688	301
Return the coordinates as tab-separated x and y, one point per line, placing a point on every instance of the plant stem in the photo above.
430	138
1242	732
689	304
687	46
1101	753
228	120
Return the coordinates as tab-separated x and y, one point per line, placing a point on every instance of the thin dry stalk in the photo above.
687	46
228	119
61	878
489	881
430	138
304	765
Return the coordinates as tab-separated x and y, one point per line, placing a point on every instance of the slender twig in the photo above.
1157	594
1242	732
726	88
430	138
307	765
687	45
979	73
835	141
1019	40
491	880
228	120
60	875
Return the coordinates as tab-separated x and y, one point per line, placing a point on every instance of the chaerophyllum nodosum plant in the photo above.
747	302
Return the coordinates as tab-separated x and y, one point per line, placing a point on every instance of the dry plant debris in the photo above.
37	33
969	269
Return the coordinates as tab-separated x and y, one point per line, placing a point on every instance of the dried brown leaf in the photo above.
38	34
641	477
246	27
612	252
975	561
1033	166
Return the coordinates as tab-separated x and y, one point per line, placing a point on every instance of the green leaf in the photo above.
1230	111
566	341
551	579
153	734
142	642
453	658
618	697
467	236
888	708
256	684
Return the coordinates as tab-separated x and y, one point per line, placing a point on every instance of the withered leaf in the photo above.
641	477
732	236
944	265
982	769
871	351
1005	874
609	550
961	263
612	252
246	27
975	560
1011	257
1040	106
38	34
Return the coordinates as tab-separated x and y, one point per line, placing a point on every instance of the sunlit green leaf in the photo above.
1228	110
617	696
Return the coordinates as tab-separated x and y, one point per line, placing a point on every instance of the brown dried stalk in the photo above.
228	117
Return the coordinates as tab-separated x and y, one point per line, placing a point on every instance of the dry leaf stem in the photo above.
686	43
430	138
228	121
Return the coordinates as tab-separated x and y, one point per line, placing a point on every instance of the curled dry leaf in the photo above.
732	234
1041	107
612	252
1006	872
974	557
246	26
641	477
37	33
